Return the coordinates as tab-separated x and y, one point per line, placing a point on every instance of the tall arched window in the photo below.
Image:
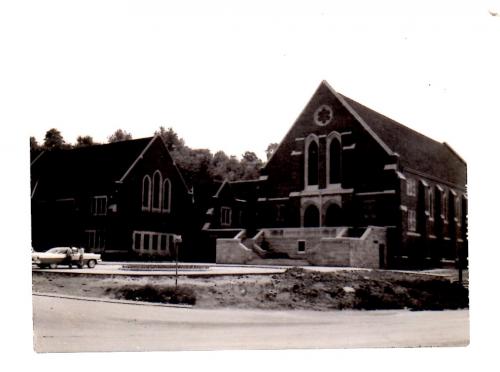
334	159
166	195
157	185
312	163
146	193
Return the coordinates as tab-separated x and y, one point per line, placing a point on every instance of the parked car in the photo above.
65	256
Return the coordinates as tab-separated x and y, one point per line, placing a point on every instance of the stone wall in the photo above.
367	251
331	252
231	251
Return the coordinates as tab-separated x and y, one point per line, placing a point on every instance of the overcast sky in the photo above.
235	78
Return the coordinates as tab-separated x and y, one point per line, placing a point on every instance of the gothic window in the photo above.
334	160
157	186
146	193
312	163
444	207
411	187
166	195
412	220
431	203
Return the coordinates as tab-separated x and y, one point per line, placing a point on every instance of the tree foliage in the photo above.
34	144
84	141
271	149
119	135
54	140
200	166
171	139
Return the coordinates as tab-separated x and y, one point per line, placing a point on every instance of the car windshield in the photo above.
57	250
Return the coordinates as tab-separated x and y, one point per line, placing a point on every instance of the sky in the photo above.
234	76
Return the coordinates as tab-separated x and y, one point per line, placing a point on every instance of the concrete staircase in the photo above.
278	262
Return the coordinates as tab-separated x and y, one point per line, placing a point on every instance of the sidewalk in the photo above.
204	269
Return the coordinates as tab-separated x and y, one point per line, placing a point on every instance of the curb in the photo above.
166	273
110	300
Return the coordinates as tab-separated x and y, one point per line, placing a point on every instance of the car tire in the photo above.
91	264
53	266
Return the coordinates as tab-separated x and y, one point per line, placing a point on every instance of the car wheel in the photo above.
53	266
91	264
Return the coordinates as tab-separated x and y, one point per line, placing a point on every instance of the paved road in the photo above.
68	325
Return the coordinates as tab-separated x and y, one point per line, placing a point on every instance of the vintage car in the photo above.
64	256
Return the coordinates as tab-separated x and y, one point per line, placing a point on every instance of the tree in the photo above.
34	144
271	149
249	157
250	166
54	140
84	141
171	139
119	135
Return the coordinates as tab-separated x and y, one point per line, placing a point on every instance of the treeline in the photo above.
198	166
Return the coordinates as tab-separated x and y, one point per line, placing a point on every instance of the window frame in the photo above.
333	136
167	197
412	220
94	206
148	206
309	140
225	216
158	193
411	186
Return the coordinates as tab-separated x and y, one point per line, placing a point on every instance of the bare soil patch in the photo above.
294	289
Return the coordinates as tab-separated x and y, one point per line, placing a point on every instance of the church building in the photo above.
349	186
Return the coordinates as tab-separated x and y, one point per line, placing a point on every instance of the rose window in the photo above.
323	115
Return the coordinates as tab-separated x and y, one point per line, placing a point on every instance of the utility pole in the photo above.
177	241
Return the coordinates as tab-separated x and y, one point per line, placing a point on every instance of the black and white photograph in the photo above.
250	184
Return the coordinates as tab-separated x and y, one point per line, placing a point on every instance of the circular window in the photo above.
323	115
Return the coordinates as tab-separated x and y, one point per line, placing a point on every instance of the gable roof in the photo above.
415	150
92	168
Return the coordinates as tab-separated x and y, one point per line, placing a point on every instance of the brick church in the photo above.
122	199
346	186
349	186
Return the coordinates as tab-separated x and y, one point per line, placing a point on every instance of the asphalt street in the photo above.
69	325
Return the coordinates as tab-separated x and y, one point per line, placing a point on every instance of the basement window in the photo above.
301	246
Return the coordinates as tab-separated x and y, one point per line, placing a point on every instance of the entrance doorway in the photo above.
333	216
311	216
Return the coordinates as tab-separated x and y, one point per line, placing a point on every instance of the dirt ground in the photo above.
294	289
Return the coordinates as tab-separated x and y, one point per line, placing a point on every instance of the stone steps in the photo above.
278	262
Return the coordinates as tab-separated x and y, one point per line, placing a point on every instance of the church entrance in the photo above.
311	216
333	216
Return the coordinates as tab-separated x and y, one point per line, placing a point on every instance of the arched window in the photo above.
334	160
166	195
146	193
157	185
311	216
312	163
